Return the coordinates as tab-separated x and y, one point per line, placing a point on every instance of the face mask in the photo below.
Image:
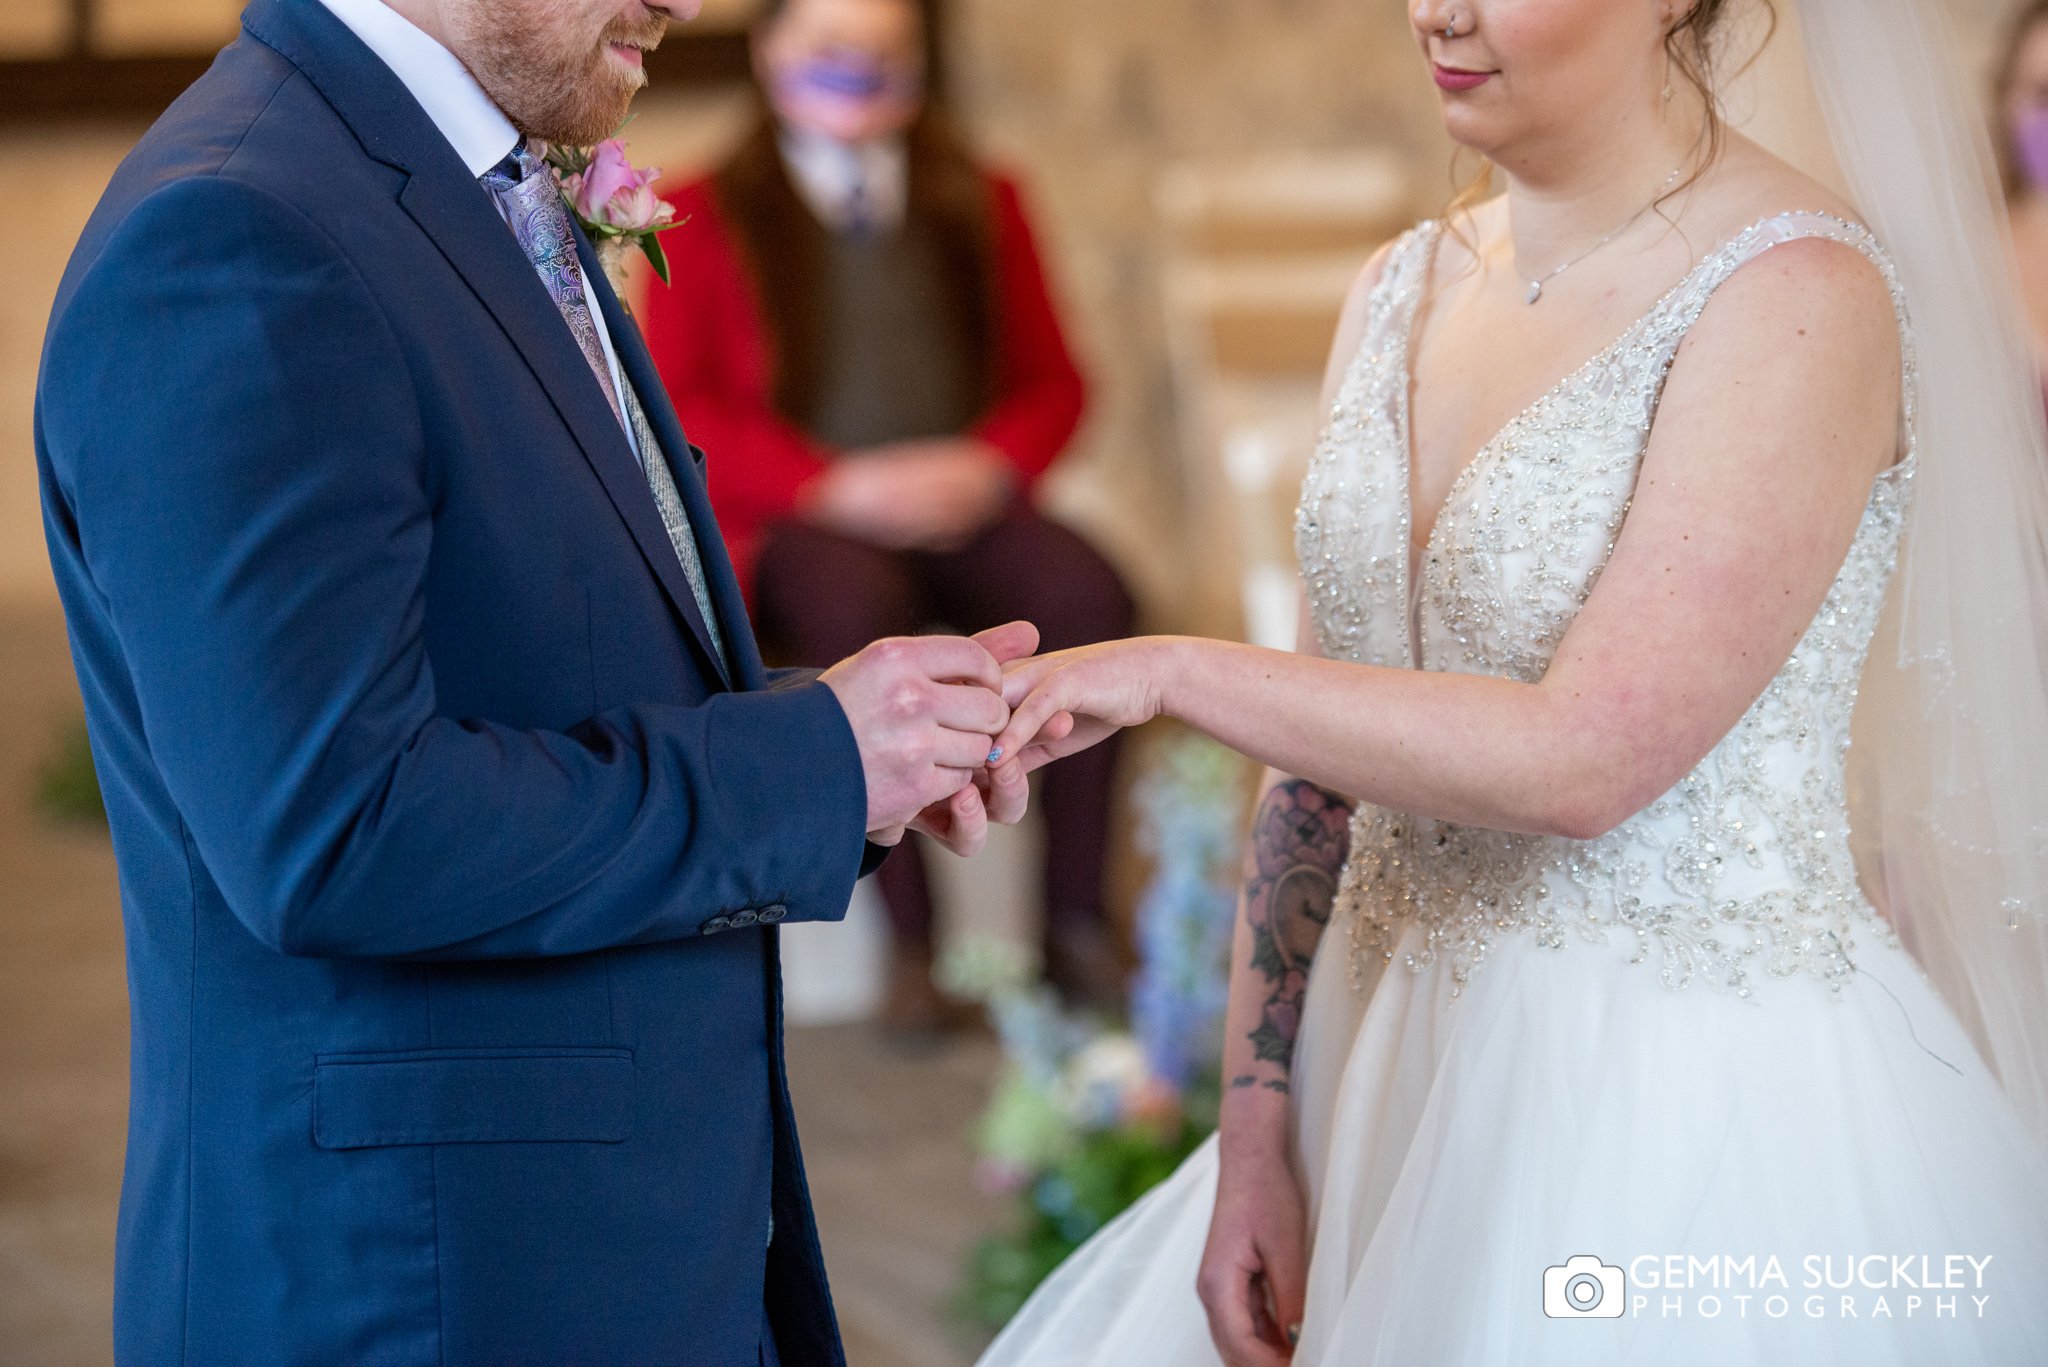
847	97
2030	146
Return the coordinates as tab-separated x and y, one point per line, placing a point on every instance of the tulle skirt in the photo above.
1794	1179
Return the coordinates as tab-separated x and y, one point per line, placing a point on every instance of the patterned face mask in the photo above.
847	96
2030	146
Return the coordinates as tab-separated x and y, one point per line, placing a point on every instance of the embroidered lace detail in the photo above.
1741	870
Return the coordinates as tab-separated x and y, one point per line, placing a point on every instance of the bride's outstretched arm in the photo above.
1780	411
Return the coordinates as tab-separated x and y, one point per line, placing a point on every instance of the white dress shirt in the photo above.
841	181
474	126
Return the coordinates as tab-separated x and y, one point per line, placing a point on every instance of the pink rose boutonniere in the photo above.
615	202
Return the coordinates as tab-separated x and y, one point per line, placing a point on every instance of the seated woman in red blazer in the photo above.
859	330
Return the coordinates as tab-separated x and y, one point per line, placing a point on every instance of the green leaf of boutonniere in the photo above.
656	256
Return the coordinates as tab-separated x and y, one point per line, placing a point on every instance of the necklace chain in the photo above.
1536	285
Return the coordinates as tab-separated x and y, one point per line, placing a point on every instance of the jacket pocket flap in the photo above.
473	1096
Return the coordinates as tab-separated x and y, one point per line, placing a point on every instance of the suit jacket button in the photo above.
746	917
716	924
771	914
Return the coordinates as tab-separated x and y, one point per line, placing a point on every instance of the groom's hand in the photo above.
924	712
998	794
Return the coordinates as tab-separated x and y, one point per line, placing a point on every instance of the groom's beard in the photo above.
554	78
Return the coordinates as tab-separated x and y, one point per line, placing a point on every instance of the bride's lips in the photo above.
1451	78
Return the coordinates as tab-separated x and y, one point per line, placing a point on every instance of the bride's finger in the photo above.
1056	740
1259	1343
1029	717
1231	1300
1270	1342
1036	757
1008	794
1020	677
1048	743
1285	1264
967	750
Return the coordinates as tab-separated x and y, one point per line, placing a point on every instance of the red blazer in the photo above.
711	345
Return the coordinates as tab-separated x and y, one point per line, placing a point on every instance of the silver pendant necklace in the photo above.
1536	286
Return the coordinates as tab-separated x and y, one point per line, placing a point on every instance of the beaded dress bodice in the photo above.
1742	871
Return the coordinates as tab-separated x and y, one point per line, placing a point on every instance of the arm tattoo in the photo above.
1299	842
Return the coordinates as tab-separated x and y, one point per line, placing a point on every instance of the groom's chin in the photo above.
586	109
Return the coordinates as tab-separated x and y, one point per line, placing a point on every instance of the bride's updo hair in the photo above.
1697	46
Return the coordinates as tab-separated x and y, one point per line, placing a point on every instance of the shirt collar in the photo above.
826	171
474	126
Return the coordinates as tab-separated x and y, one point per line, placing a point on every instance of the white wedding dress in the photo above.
1690	1038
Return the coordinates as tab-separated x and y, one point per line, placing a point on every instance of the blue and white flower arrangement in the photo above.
1087	1116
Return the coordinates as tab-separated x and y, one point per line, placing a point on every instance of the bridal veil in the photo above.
1949	769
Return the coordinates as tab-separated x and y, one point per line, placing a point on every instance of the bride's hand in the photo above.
1063	703
1254	1277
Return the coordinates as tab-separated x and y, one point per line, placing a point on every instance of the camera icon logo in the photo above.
1584	1289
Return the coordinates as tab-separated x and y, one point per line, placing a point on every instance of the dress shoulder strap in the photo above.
1405	273
1392	303
1668	323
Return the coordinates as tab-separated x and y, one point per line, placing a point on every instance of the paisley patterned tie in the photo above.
532	205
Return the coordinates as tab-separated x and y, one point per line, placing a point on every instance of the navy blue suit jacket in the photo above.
449	853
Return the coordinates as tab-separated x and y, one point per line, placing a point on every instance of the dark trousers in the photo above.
821	597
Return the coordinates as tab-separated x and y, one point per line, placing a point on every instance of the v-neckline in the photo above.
1415	560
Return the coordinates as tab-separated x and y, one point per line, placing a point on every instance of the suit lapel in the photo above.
456	212
638	367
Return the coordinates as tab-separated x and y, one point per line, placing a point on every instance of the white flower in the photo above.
1102	1079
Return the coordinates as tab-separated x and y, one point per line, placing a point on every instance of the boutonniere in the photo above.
615	202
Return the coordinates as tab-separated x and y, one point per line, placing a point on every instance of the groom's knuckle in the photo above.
907	698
